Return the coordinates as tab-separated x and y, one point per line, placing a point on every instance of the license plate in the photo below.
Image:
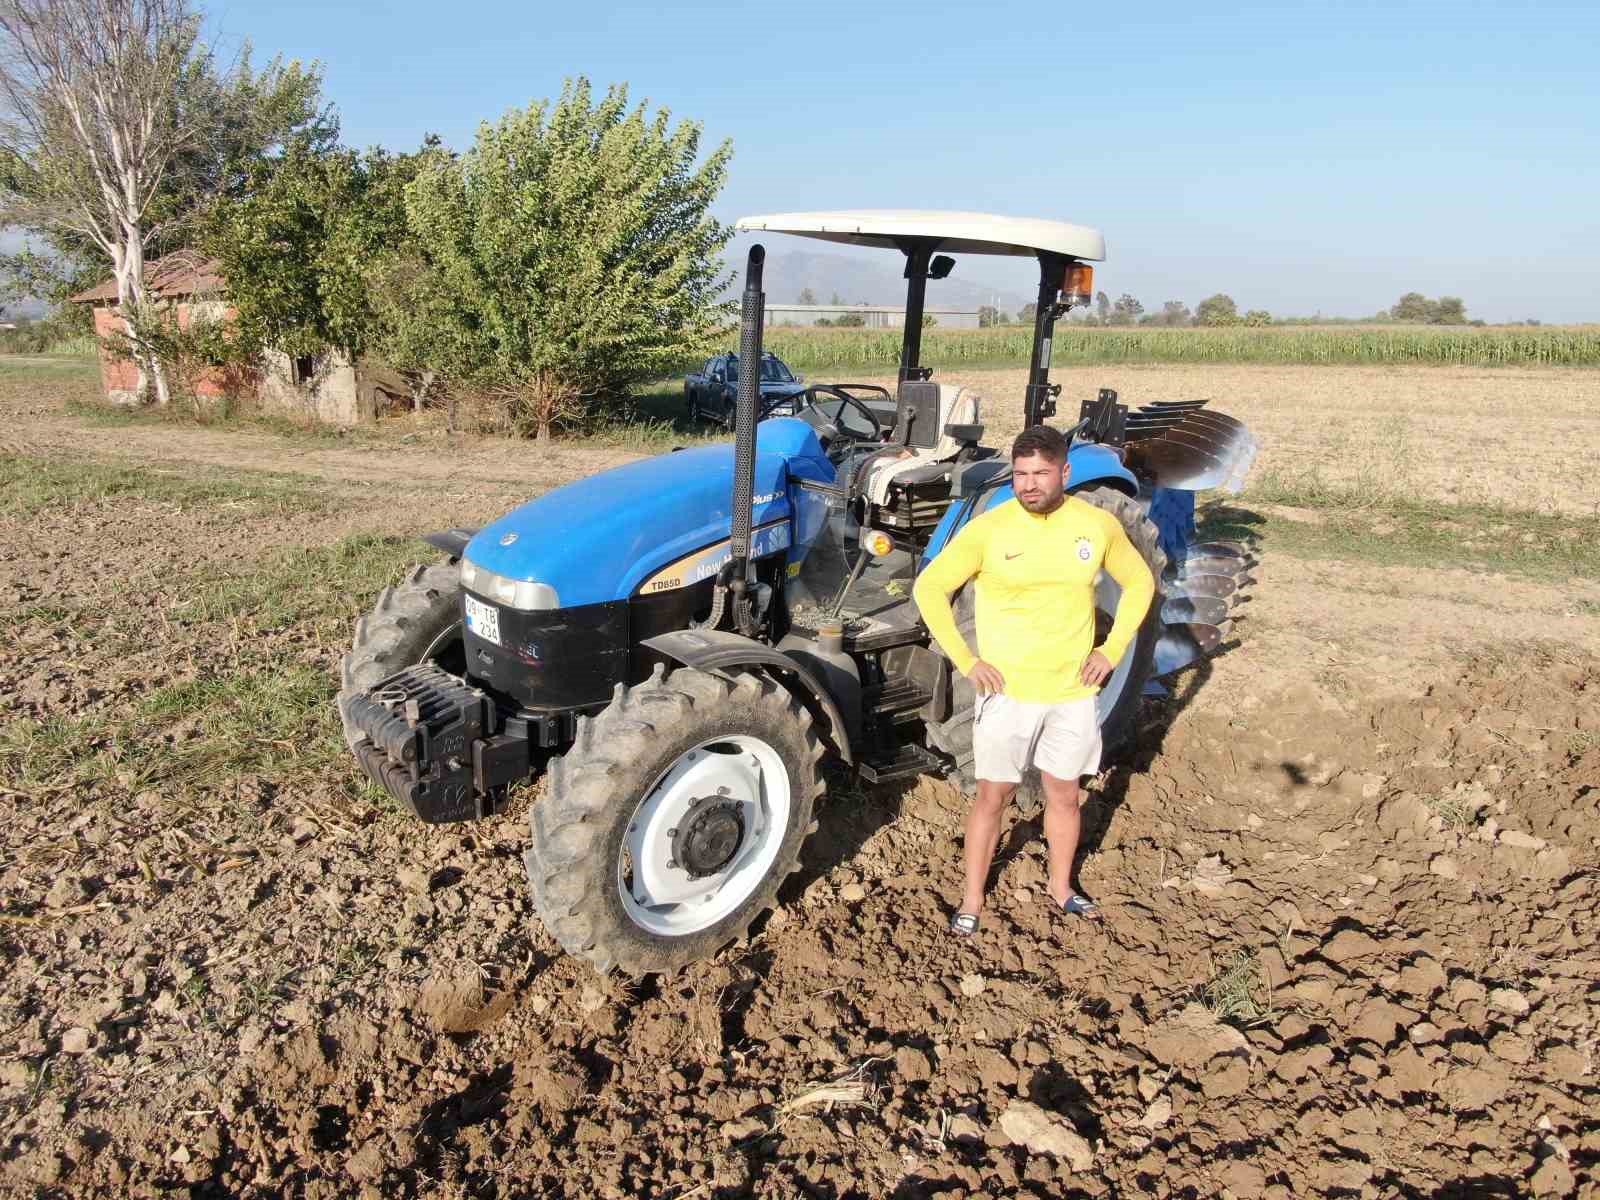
483	620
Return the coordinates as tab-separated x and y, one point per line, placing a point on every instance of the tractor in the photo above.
681	643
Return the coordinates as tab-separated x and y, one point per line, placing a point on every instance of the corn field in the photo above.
1577	346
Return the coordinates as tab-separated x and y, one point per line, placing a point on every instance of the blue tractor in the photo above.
681	642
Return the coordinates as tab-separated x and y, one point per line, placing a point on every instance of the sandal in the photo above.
964	924
1081	906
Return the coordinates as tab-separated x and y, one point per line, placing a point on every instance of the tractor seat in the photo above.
927	452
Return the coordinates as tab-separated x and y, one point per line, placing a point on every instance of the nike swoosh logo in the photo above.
1018	554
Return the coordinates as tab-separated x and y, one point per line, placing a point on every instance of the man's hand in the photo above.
1095	669
986	679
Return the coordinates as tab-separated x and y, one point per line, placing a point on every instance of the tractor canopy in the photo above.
927	238
953	232
600	538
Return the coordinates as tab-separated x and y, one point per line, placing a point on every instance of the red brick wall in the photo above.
122	376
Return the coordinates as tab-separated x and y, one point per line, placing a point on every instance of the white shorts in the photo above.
1009	736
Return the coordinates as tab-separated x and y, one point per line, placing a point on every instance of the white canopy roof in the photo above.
957	232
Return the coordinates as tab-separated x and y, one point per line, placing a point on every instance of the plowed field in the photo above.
1350	880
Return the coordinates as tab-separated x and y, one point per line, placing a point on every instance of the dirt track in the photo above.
270	984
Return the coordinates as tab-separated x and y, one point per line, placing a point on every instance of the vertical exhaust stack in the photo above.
746	409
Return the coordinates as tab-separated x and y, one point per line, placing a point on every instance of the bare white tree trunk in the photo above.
95	82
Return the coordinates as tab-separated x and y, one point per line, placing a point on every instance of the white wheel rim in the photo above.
658	893
1107	591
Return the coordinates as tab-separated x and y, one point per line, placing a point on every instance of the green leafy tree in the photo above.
1216	310
296	248
1027	313
807	296
1126	310
988	316
1174	312
1413	309
567	255
835	299
120	125
1450	310
852	320
1257	317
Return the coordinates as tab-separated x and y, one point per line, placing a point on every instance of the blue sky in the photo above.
1301	158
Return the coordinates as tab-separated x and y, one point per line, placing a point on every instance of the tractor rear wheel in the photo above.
1118	703
416	620
673	819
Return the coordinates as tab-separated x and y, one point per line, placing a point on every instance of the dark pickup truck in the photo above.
709	392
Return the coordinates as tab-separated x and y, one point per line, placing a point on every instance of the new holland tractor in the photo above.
681	642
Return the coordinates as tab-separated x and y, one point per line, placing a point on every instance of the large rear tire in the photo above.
673	819
1118	704
416	620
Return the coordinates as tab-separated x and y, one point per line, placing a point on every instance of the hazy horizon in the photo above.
1301	160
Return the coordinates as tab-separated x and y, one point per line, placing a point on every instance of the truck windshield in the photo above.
772	371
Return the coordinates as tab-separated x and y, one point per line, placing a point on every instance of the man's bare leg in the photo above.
982	837
1061	828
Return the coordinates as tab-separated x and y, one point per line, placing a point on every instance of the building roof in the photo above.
182	273
957	232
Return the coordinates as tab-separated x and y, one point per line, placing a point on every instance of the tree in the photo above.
1027	314
119	124
1450	310
807	296
1216	310
296	249
1126	310
988	316
1413	309
836	300
567	255
1102	307
1174	312
1257	317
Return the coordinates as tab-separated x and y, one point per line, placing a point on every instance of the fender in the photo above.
1093	463
452	541
710	650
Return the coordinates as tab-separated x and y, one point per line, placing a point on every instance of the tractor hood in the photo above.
599	538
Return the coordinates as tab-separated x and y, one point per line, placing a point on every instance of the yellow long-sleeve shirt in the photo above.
1035	595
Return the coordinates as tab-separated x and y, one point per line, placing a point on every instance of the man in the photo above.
1034	561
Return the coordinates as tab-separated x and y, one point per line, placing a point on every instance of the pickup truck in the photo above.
709	393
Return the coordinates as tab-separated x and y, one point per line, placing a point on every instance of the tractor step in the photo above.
896	695
909	759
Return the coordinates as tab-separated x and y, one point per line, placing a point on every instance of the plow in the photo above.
682	643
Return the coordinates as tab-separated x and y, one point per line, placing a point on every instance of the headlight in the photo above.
524	594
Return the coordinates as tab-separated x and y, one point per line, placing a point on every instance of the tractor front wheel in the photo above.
416	620
670	824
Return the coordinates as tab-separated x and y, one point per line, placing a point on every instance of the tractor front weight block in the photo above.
431	742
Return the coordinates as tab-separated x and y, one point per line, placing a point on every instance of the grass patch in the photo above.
1337	523
1455	810
29	484
303	584
1240	994
270	715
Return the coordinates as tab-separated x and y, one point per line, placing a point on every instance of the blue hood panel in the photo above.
598	538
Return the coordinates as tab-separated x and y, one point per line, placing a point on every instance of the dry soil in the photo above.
1349	877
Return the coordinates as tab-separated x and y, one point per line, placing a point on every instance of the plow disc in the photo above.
1182	446
1201	593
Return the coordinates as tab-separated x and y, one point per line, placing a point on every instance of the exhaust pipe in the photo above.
746	408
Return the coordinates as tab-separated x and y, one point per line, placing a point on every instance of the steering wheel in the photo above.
844	397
